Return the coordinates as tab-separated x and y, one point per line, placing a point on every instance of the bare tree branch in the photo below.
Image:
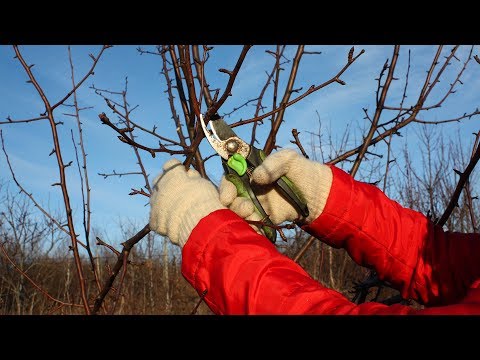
378	111
114	173
61	168
460	185
83	179
10	121
127	246
105	120
310	90
272	136
232	76
295	134
87	75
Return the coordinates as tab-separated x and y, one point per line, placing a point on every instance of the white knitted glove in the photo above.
313	179
180	199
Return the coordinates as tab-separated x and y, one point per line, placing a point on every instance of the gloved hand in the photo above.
180	199
313	179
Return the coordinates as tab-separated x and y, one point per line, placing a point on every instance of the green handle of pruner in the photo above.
242	183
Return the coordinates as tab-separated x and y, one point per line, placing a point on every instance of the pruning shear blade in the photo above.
223	139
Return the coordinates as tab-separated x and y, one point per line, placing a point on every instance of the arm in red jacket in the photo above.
403	246
243	273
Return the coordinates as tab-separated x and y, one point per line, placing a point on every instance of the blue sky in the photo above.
28	145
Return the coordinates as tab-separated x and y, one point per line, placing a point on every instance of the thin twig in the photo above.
120	174
457	119
108	246
295	134
85	198
10	121
304	248
202	296
135	150
105	120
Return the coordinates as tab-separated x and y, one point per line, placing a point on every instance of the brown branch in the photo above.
452	85
200	67
186	67
477	59
458	119
469	200
152	132
310	90
30	280
202	296
85	199
275	70
295	134
192	127
279	228
135	150
120	174
189	119
122	279
179	86
10	121
387	164
105	120
378	111
87	245
90	72
389	141
113	106
467	188
457	79
127	246
138	192
108	246
175	116
61	169
239	107
272	136
393	130
276	80
304	248
232	76
426	84
460	185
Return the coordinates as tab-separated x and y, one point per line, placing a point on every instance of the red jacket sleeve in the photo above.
241	272
403	246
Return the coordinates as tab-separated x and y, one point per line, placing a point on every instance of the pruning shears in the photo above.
239	159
